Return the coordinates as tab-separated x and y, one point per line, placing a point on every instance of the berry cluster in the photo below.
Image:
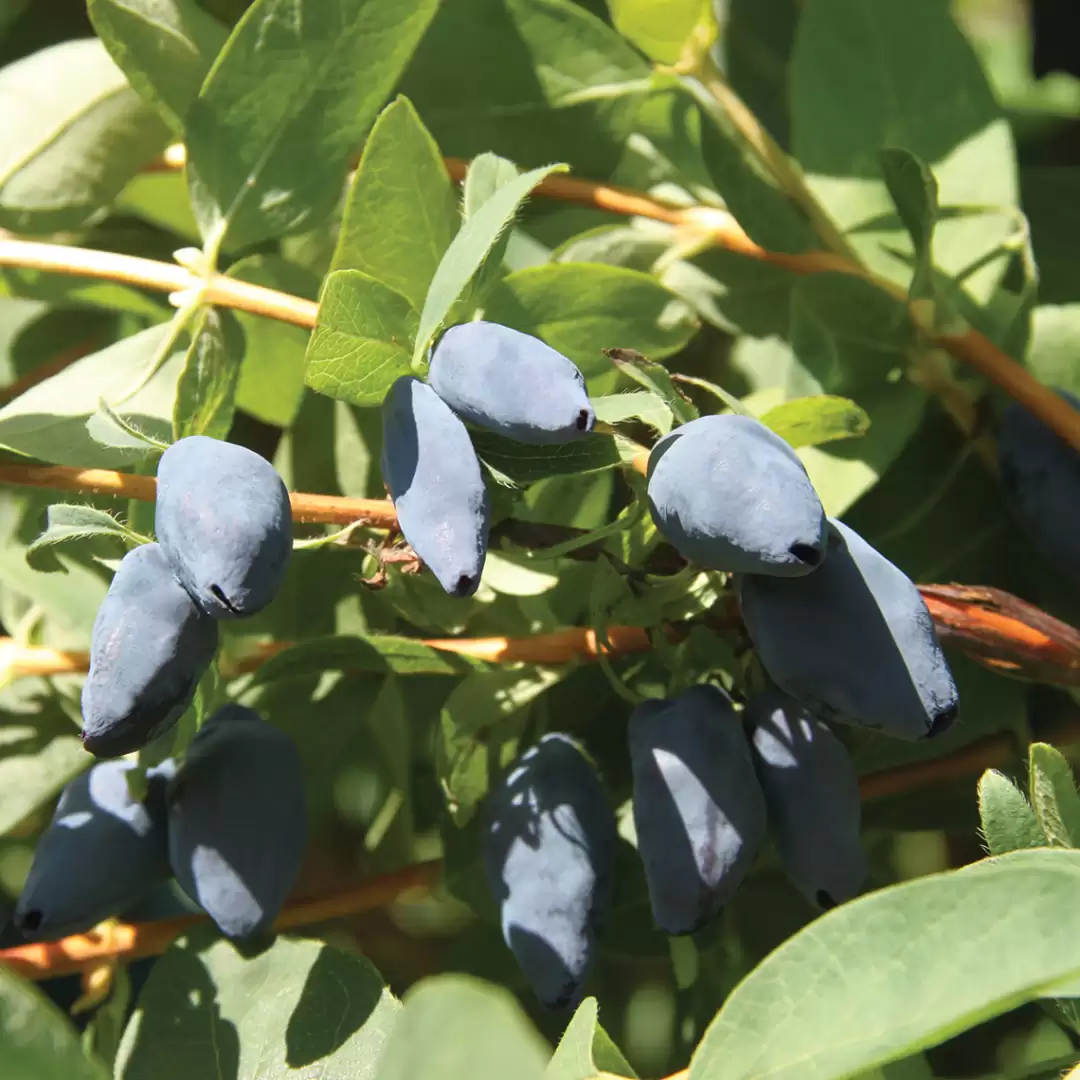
496	378
843	635
229	823
230	820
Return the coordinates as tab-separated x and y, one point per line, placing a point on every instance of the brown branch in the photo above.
132	941
307	508
159	276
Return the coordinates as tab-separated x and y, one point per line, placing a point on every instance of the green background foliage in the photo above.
395	163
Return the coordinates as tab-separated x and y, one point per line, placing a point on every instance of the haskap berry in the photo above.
729	494
699	811
511	383
238	821
549	852
434	479
101	852
854	641
149	647
1040	476
224	522
812	795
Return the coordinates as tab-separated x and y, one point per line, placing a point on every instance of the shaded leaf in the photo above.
867	76
165	48
36	1039
208	1010
36	761
206	389
74	134
657	379
362	338
272	371
914	191
378	653
459	1028
515	464
483	711
48	421
285	105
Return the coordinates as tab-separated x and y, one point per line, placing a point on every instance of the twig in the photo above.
162	277
308	508
132	941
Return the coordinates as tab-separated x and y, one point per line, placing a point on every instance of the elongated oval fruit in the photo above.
511	383
731	495
149	647
853	641
549	854
812	794
224	521
698	807
102	851
434	478
238	820
1040	475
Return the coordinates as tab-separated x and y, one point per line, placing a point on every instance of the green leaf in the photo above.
459	1028
378	653
272	371
206	389
867	76
483	711
535	56
74	134
811	421
165	48
641	404
843	471
582	308
1008	822
914	191
66	522
657	380
401	213
484	176
469	249
1055	333
297	1008
36	761
1049	197
285	106
37	1042
900	970
586	1049
361	341
515	464
758	39
48	421
1053	795
658	30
